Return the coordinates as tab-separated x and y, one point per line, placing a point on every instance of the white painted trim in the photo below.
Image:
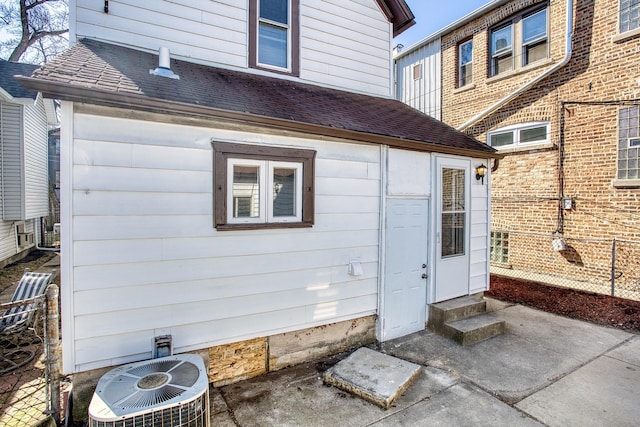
66	241
384	159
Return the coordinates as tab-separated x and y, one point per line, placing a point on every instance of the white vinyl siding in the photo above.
12	161
148	261
36	177
343	44
197	30
479	246
422	94
346	44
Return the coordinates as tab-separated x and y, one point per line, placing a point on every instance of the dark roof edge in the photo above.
399	14
68	92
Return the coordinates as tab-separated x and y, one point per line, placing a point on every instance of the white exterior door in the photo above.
452	228
405	278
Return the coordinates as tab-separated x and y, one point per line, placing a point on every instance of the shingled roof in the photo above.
105	74
10	84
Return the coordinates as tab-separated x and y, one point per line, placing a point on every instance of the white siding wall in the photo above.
479	261
8	244
36	177
12	161
423	94
344	44
145	259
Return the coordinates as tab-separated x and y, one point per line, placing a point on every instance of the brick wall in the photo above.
526	186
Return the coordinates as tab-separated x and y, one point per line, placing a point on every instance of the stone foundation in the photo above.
230	363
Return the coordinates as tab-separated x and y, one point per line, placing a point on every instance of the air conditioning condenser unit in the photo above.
170	391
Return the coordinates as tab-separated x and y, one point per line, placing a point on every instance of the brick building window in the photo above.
518	42
629	15
465	63
499	247
629	143
519	135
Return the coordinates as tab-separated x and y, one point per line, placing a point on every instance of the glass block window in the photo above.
629	142
629	15
499	247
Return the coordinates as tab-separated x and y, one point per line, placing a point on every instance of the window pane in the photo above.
452	189
500	139
466	53
284	192
465	69
535	52
272	44
275	10
501	40
246	191
534	27
452	234
533	134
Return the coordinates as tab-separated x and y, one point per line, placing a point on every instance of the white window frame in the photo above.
537	40
286	27
461	65
628	9
516	130
266	195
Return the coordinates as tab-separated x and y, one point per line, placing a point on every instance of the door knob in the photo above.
424	265
424	275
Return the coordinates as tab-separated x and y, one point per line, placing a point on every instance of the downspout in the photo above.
526	86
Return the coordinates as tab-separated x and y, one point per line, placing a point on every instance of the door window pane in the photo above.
246	191
284	192
453	212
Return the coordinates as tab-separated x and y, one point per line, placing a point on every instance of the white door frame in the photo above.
445	284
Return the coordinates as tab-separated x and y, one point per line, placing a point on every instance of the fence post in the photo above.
52	349
613	268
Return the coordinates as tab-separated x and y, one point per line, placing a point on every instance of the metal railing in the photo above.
604	266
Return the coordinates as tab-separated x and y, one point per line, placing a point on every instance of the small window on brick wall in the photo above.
629	143
629	15
499	247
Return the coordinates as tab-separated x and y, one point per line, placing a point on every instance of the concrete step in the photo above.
455	309
473	329
377	377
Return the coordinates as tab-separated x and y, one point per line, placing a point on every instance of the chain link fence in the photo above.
605	266
30	381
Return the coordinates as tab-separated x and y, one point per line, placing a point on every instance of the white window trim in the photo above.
266	196
298	187
286	27
517	129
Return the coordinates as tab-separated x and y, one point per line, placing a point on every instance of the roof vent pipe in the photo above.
164	67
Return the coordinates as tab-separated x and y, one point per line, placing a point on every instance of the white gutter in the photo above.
526	86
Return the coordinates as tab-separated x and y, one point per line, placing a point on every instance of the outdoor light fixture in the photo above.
480	172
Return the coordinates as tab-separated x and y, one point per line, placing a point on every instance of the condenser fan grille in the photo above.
161	392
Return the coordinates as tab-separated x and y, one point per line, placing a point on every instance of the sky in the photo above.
433	15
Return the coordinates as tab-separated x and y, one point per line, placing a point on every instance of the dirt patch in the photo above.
12	273
587	306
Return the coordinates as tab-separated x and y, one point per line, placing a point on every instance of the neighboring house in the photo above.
25	118
260	197
554	86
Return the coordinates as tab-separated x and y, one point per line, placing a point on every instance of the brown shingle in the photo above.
105	67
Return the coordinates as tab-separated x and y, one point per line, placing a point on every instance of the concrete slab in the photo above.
537	349
460	405
297	397
377	377
603	392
